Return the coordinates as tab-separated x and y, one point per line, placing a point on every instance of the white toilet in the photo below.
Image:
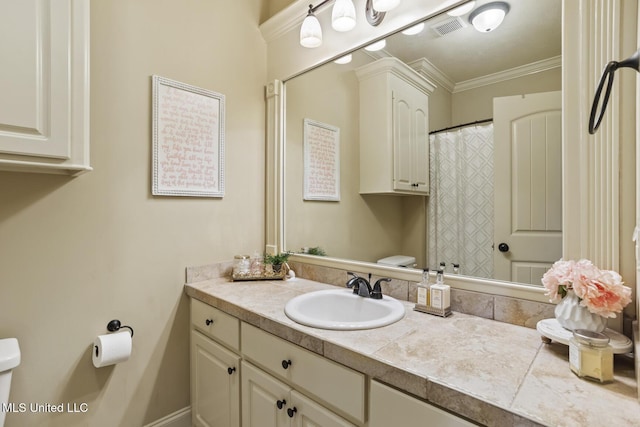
398	261
9	359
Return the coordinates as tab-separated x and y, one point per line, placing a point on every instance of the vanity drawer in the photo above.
334	384
215	324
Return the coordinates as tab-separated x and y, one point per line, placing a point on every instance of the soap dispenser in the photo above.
440	293
423	289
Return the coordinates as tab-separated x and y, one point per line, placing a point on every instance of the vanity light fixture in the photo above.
380	44
385	5
343	18
311	31
343	15
344	59
489	16
416	29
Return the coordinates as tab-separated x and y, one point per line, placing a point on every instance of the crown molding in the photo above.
430	71
285	20
524	70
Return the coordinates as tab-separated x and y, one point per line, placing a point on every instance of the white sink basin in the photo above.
340	309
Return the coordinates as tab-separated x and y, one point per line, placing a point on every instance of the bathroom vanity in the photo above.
251	362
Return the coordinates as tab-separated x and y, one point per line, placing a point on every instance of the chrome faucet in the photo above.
362	286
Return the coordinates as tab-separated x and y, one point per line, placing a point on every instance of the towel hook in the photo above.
607	77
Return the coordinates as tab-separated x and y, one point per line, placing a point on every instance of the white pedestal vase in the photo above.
571	315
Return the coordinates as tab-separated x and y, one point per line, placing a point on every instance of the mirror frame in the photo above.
598	172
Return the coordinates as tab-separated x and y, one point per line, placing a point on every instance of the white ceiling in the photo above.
530	32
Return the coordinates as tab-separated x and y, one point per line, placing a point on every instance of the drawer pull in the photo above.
286	364
292	411
209	322
231	370
280	403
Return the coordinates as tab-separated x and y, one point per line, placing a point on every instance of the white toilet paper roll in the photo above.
110	349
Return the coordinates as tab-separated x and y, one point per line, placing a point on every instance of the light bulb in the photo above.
310	32
385	5
343	15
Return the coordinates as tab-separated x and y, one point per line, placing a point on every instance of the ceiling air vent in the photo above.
450	25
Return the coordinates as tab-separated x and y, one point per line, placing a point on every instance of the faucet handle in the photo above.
353	282
377	288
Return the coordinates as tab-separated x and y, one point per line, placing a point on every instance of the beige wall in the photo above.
477	104
78	252
272	7
365	228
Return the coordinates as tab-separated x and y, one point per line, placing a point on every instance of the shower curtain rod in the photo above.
477	122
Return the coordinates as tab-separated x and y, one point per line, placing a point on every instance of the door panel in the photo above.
528	185
260	396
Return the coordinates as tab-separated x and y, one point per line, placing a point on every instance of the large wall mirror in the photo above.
481	192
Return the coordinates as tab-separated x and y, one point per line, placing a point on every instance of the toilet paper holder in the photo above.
115	325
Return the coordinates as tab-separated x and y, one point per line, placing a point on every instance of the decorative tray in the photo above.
551	330
265	275
432	310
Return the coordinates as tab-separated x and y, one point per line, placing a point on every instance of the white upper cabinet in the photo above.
394	129
44	82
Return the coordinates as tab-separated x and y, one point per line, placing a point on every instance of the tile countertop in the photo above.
494	373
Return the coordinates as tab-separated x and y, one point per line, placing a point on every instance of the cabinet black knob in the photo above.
292	411
280	403
209	322
286	364
231	370
503	247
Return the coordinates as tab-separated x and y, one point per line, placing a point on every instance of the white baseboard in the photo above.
180	418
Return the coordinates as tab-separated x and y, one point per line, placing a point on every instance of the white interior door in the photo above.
528	185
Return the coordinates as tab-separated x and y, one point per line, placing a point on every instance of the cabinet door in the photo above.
389	407
308	413
265	400
44	107
215	384
420	144
410	139
402	141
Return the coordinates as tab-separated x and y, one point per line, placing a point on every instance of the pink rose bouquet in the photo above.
601	291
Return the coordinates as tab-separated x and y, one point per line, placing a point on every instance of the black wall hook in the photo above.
607	78
115	325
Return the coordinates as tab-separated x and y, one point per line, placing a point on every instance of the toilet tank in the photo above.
398	261
9	359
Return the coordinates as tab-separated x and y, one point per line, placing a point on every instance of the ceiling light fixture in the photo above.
343	18
488	17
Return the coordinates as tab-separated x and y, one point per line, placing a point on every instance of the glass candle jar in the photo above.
241	265
591	356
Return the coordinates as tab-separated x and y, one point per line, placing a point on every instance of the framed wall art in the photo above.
321	161
188	140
